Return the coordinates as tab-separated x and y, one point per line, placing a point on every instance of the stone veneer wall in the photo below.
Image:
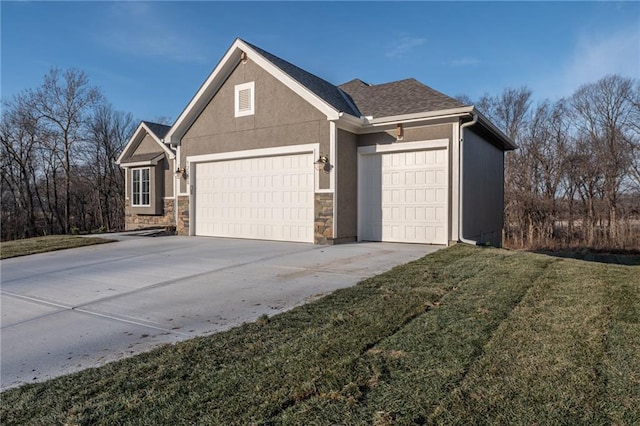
323	222
135	221
183	216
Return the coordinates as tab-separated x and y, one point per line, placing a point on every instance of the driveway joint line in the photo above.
64	308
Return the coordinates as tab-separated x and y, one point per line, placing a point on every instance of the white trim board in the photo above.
313	148
215	80
136	138
404	146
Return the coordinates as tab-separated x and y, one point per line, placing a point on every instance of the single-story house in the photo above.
267	150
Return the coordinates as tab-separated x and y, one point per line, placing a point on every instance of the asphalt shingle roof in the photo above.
322	88
396	98
160	130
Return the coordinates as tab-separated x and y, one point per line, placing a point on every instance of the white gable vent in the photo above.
244	99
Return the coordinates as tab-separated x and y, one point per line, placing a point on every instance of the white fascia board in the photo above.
349	122
497	132
218	76
152	162
365	125
164	146
138	135
299	89
406	118
204	94
132	141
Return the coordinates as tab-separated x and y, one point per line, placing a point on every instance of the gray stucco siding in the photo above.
281	118
483	193
147	145
410	134
347	182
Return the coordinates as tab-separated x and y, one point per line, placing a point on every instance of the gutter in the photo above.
461	181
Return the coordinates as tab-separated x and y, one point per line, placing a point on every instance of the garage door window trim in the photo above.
141	187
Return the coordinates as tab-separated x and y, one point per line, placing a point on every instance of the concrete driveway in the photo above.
69	310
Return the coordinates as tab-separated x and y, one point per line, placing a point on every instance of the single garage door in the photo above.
404	197
269	198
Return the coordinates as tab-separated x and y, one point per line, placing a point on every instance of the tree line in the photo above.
574	180
59	144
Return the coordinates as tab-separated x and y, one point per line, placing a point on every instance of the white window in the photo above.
140	187
244	99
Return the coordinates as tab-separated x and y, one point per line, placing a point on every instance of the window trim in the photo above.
239	88
140	187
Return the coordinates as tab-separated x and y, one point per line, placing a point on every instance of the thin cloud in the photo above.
593	57
137	29
404	45
465	62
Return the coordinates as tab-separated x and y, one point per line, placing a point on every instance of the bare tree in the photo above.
604	117
63	103
109	131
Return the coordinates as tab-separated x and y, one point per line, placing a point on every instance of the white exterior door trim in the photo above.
194	160
435	144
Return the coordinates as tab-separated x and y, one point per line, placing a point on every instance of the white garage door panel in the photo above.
413	200
267	198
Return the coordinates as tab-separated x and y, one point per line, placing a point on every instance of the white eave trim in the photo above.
497	132
219	75
138	136
406	118
152	162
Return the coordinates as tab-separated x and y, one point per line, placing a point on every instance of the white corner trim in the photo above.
333	177
455	186
404	146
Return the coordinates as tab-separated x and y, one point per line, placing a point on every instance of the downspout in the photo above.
461	180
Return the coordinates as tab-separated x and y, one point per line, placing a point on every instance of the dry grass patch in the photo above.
35	245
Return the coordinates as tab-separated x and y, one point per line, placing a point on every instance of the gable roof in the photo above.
322	88
356	104
157	132
321	94
401	97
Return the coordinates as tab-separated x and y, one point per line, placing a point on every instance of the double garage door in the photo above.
403	197
268	198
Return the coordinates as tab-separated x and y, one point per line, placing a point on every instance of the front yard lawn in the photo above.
44	244
464	336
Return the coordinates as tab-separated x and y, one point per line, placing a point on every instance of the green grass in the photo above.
44	244
463	336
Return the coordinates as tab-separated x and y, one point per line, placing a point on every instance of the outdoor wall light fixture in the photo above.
322	163
399	132
181	172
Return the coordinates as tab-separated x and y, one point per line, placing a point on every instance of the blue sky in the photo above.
149	58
